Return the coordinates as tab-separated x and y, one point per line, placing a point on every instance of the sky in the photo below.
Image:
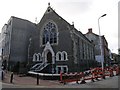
84	14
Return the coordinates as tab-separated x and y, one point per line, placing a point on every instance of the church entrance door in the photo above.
49	57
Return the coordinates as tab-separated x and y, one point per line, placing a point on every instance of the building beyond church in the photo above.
96	40
51	46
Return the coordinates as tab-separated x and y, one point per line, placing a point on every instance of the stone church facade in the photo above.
53	45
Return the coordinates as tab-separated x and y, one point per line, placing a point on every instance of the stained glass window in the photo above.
49	33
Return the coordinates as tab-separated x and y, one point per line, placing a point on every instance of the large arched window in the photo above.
49	33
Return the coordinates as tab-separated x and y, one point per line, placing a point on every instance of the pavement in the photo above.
27	81
31	82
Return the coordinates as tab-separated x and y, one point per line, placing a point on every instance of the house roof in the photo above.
90	32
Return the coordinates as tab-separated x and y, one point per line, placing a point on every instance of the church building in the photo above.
51	46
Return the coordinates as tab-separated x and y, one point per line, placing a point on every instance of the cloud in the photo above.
76	6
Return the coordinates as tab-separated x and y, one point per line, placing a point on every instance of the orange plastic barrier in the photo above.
71	77
117	69
95	73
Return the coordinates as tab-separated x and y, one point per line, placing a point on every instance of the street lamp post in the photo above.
100	39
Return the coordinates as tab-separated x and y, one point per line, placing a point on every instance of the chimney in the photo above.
90	30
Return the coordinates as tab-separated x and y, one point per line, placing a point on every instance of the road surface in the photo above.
111	82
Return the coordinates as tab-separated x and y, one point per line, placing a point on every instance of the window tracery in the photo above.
49	33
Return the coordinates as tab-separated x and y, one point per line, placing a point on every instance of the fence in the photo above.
93	74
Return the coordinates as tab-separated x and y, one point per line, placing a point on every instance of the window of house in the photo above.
58	56
64	55
51	38
61	56
55	38
83	51
65	69
35	57
92	53
38	57
61	68
49	33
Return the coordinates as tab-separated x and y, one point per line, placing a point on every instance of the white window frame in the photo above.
62	56
38	57
41	36
66	56
57	56
61	66
34	57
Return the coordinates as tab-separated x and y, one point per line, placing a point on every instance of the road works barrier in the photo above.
93	74
117	69
70	77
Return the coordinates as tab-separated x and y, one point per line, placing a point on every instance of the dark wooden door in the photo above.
49	57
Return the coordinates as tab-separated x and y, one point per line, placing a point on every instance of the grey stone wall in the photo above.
20	31
70	41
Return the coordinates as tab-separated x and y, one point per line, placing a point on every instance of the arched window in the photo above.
49	33
35	57
45	36
58	56
64	55
61	56
38	57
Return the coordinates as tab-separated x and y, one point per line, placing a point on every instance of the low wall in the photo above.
45	76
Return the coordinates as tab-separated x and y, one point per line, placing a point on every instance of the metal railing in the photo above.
39	66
